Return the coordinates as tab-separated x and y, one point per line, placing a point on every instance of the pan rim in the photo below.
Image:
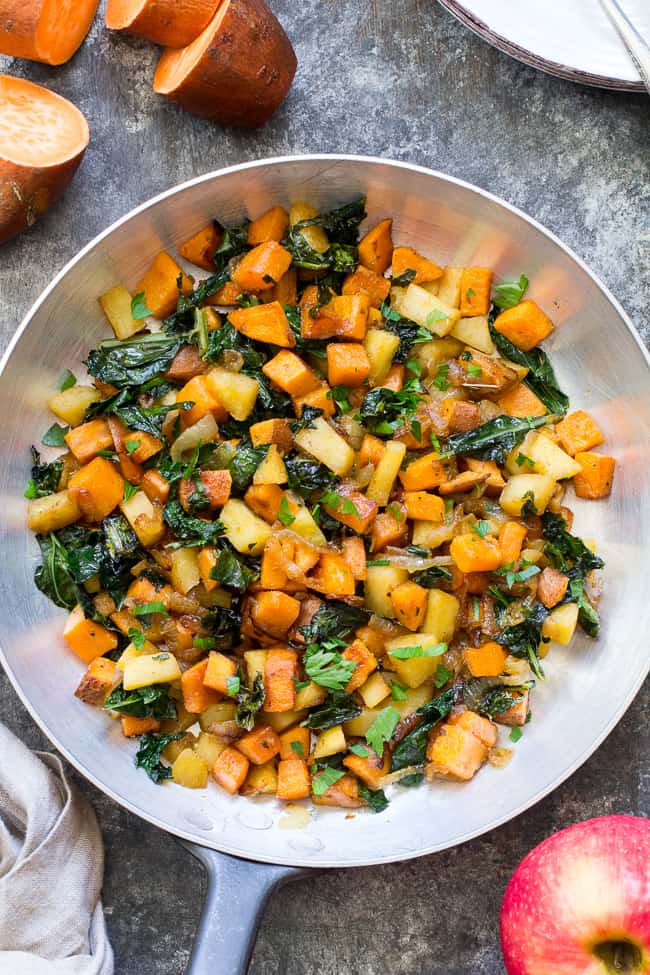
298	859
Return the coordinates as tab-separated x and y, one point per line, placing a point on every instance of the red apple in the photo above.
579	903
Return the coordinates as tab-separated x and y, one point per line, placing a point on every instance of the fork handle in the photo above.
637	46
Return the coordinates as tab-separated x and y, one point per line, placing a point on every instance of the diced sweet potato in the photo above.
525	325
370	452
294	743
345	316
137	445
347	364
259	745
98	681
364	660
134	727
494	482
376	248
272	431
186	364
197	697
86	441
389	528
214	490
280	671
521	401
155	486
230	770
424	473
511	539
286	290
354	553
474	554
219	668
409	602
422	506
207	560
264	500
264	323
464	481
290	374
293	779
227	295
332	576
365	281
482	728
344	793
262	267
456	753
517	715
461	415
394	378
578	432
160	285
319	398
274	612
373	638
370	769
552	586
406	259
358	518
486	660
87	638
475	286
596	477
97	489
200	248
270	226
200	392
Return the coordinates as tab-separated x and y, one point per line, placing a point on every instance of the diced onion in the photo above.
204	431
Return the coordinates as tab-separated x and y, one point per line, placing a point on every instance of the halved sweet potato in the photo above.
44	30
170	23
237	72
43	138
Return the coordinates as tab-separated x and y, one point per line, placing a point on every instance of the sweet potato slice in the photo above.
44	30
43	138
237	72
170	23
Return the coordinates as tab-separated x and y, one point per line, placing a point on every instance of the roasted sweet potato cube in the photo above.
197	697
200	248
259	745
353	509
289	373
138	445
226	296
364	660
464	481
370	769
270	226
293	779
517	715
511	539
525	325
264	500
578	432
213	490
319	398
275	431
97	489
354	552
280	671
521	401
264	323
551	587
294	743
494	482
207	560
344	793
474	554
424	473
596	477
389	528
475	285
87	638
347	364
230	770
365	281
394	378
486	660
422	506
371	451
274	612
376	248
155	486
332	576
200	392
134	727
455	752
218	670
86	441
461	415
286	290
406	259
482	728
98	681
409	602
262	267
345	316
160	285
186	364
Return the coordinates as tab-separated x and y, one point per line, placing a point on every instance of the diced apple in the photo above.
560	624
70	405
381	347
523	488
272	469
380	582
185	569
323	443
474	332
330	742
449	286
550	459
375	689
158	668
441	615
415	670
305	526
244	530
116	305
235	391
145	519
383	477
428	310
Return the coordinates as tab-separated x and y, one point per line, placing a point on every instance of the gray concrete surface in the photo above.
405	81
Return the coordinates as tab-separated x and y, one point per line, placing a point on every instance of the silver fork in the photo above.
637	46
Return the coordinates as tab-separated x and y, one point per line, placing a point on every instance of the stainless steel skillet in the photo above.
600	362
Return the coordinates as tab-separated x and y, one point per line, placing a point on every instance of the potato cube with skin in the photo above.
324	444
305	526
527	490
244	530
381	348
52	512
280	672
578	432
560	624
596	475
383	478
481	728
190	770
330	742
456	753
230	770
314	234
219	671
160	668
525	325
551	586
70	405
259	745
98	681
293	780
428	310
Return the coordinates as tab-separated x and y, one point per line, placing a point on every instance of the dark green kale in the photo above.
374	798
235	571
588	618
540	377
226	339
523	639
411	750
234	241
148	419
250	700
306	476
306	419
565	551
432	577
334	620
337	708
188	528
45	477
384	410
489	697
341	224
145	702
53	577
244	464
404	279
134	361
495	439
149	754
224	626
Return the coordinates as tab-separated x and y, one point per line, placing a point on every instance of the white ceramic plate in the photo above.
572	39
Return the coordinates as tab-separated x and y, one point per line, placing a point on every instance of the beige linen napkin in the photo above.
51	868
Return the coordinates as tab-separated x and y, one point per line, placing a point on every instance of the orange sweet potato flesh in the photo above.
230	770
511	539
237	72
376	248
371	451
132	727
422	506
363	515
280	669
259	745
264	323
44	30
456	753
170	23
200	248
196	696
155	486
215	488
354	553
344	793
270	226
97	489
552	587
274	612
97	683
43	138
388	529
406	259
596	477
219	668
461	415
262	267
160	285
371	769
525	325
474	554
521	401
464	481
482	728
424	473
264	500
364	280
86	440
332	576
293	779
319	398
345	316
207	561
200	392
486	660
409	602
272	431
288	371
365	662
578	432
475	285
347	364
87	638
298	737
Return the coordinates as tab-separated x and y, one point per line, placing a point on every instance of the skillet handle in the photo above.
238	891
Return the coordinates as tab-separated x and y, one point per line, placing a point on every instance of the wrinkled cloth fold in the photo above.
51	870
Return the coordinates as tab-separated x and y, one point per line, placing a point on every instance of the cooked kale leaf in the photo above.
384	410
189	529
249	701
431	577
374	798
224	626
540	377
334	620
244	464
234	571
306	476
411	750
337	708
146	702
134	361
45	477
495	439
523	639
565	551
149	753
489	697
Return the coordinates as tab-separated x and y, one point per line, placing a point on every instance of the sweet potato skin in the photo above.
245	72
170	23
